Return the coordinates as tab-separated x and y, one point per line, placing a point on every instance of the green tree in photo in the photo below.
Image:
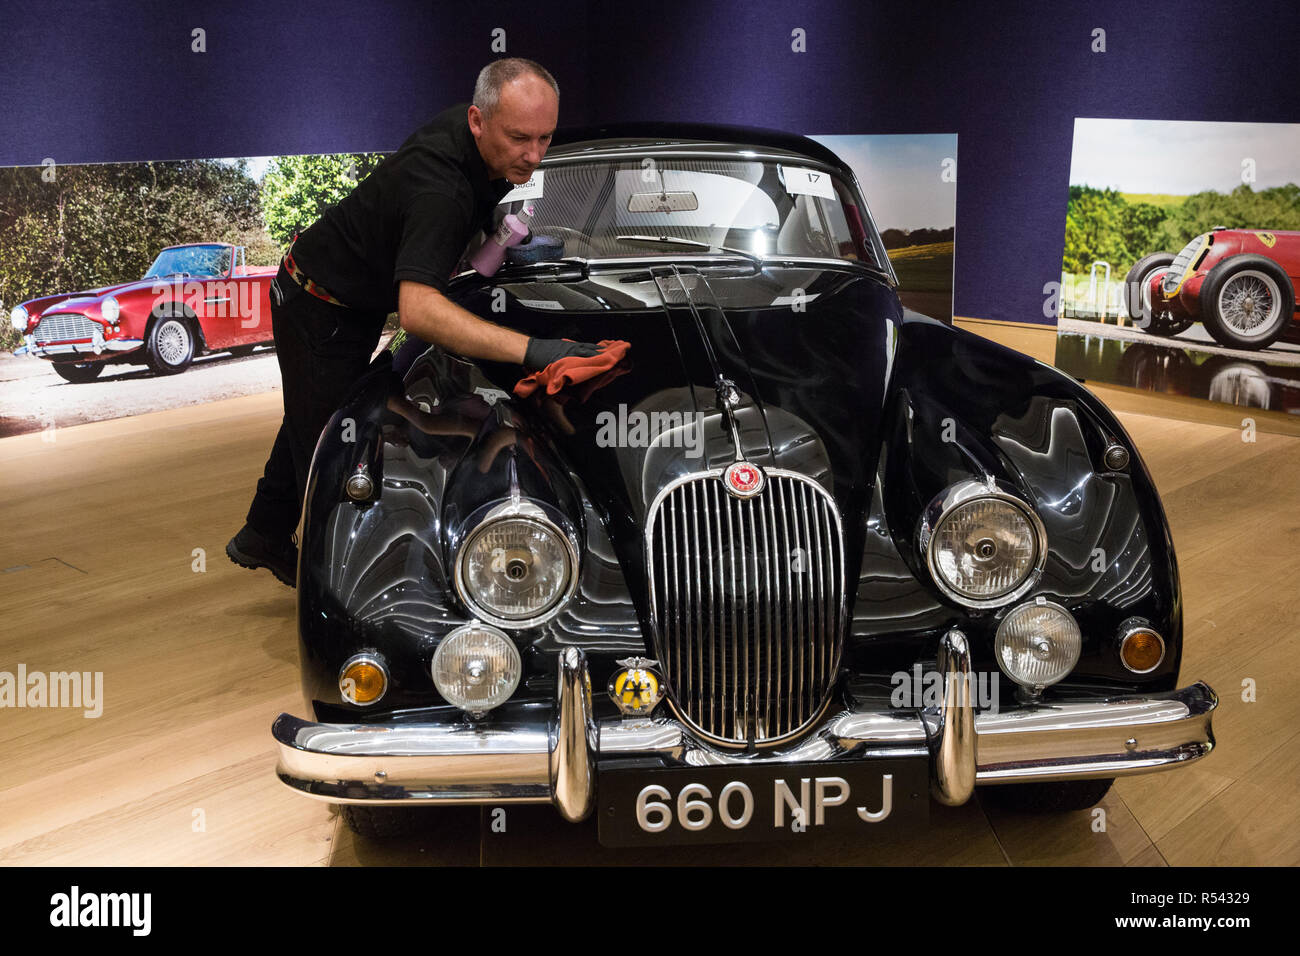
298	189
1139	229
1094	228
1275	208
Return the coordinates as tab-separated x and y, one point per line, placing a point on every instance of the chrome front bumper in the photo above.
441	763
97	346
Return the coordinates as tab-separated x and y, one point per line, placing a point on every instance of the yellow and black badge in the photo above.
1267	238
636	689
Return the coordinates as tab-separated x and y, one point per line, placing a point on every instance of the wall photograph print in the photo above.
1182	257
115	278
910	184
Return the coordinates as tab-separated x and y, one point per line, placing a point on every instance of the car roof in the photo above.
183	245
614	138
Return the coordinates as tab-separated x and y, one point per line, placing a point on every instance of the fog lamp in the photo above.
1140	648
363	679
476	668
1038	644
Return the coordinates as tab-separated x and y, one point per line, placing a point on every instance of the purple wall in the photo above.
114	81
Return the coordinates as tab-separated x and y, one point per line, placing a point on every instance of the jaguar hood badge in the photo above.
744	479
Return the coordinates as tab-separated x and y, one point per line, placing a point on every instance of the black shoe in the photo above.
250	549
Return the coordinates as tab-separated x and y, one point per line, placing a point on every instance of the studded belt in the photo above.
300	277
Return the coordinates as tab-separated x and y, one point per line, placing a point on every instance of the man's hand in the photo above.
427	313
542	352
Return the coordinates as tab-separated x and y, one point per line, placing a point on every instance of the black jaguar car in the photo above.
801	561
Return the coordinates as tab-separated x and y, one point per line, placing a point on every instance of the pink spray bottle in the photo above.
512	231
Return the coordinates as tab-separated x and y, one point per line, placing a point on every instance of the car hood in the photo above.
808	351
80	300
149	285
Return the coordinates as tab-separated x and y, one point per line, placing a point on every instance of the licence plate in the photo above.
873	800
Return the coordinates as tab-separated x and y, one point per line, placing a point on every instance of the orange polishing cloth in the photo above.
589	373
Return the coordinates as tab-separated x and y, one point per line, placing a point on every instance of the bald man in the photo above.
391	245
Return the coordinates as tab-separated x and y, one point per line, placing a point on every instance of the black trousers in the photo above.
322	349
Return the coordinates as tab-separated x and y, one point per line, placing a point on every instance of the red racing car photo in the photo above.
1240	283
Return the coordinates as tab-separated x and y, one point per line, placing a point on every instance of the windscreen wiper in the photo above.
752	256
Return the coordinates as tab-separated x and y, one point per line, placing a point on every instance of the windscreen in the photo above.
764	208
198	260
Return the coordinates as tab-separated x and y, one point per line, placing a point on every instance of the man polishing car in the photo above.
391	245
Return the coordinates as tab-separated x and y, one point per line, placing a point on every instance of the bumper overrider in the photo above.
413	763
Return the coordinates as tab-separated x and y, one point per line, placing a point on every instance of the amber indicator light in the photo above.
1142	651
362	682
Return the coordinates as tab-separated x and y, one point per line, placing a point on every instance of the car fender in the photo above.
963	407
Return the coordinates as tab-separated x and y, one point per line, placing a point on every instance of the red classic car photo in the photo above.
1240	283
199	297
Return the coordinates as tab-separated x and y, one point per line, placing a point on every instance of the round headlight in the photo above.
985	547
18	318
476	668
111	310
1038	644
515	570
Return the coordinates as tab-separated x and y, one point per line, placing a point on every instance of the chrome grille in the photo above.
62	327
748	602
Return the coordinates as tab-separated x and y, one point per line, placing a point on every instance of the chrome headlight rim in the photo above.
19	317
529	512
964	492
512	651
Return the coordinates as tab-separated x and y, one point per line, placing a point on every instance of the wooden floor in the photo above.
113	561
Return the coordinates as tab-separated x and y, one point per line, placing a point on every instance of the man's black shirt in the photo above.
411	218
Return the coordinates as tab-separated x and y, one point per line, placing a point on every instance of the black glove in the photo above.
542	352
